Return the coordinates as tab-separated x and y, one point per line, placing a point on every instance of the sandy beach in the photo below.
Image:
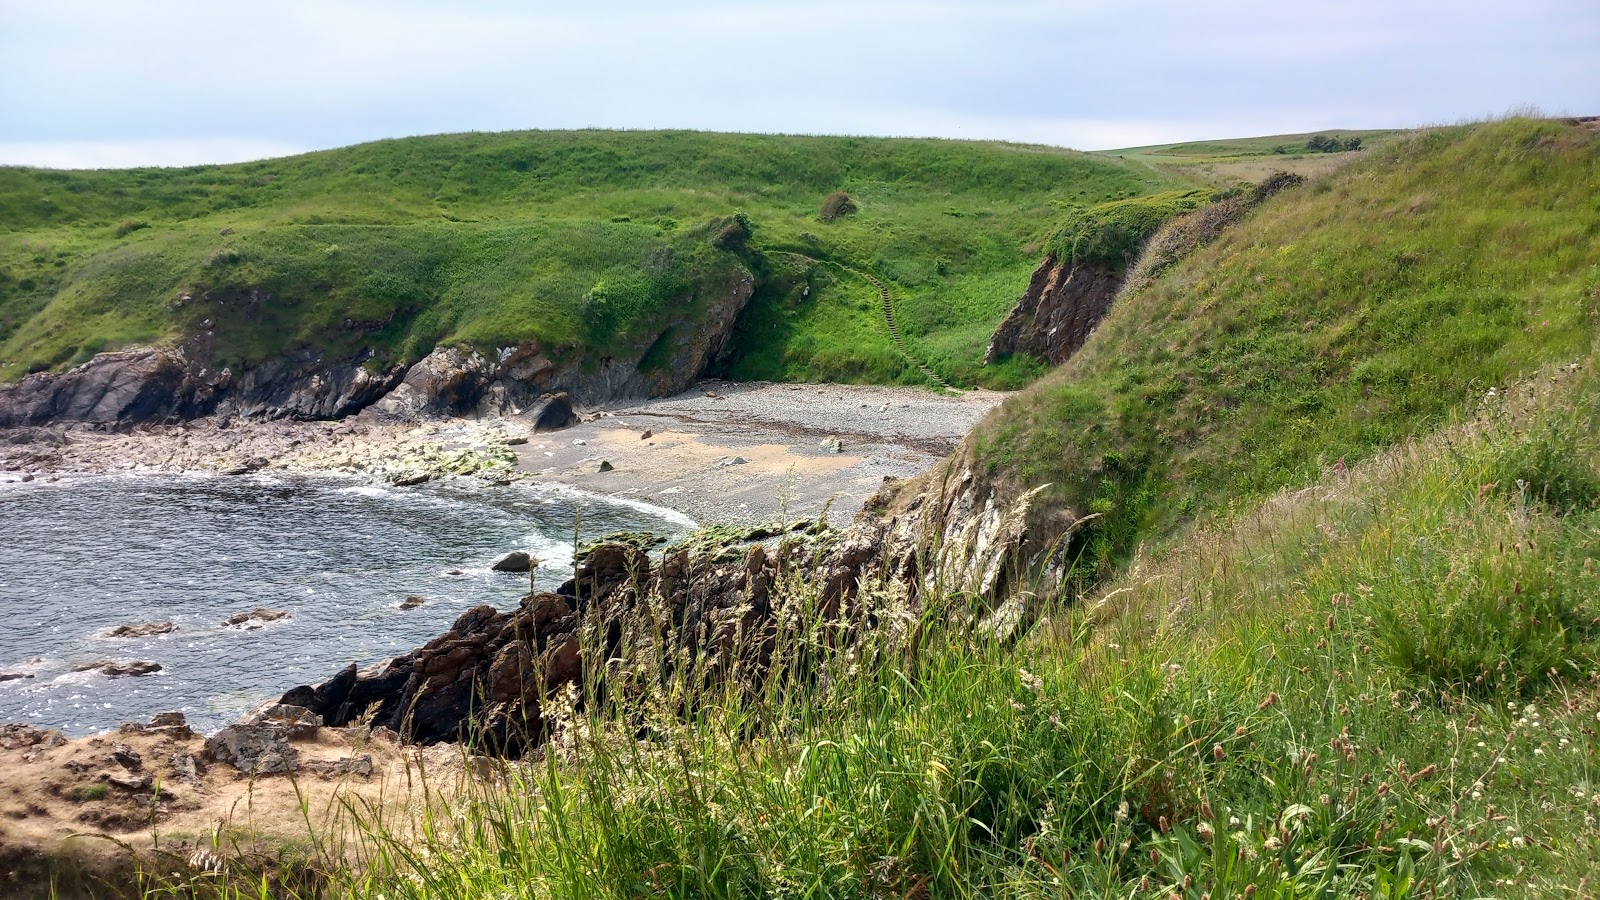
733	453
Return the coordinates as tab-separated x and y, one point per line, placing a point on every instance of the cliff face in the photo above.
153	385
1060	309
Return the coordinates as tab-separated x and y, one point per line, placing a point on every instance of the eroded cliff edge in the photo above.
154	385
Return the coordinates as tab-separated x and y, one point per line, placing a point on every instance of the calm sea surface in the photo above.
84	555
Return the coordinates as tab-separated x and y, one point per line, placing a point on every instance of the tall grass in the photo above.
1380	685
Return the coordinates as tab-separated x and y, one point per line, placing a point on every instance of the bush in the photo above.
837	206
130	226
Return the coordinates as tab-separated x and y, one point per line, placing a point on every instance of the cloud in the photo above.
129	154
321	73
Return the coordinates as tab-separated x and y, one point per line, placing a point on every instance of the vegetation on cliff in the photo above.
1379	685
1336	319
588	243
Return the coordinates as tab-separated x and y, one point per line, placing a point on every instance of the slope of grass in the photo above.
489	239
1338	318
1380	686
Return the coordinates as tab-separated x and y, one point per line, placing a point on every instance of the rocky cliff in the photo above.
152	385
1057	313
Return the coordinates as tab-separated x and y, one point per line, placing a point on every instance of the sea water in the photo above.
81	556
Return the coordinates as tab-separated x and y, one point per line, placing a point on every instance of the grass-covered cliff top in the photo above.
1338	318
491	239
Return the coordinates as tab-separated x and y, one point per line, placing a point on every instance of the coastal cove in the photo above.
340	555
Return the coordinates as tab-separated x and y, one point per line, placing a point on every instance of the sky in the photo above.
85	83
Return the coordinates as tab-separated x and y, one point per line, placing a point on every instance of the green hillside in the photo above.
1340	317
581	241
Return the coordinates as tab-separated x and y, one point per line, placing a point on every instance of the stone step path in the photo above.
888	314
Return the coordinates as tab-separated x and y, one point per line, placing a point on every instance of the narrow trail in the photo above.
888	313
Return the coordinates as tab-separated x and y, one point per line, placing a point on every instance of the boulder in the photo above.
413	601
515	561
605	466
831	444
254	749
120	668
553	412
297	721
146	629
14	676
255	618
15	736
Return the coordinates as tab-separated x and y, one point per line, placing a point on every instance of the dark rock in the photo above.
553	412
115	668
516	441
413	601
15	736
646	434
515	561
408	479
126	757
605	466
1057	313
145	630
14	676
254	749
255	618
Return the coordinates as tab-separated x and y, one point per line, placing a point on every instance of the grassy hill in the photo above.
1223	163
1338	318
578	240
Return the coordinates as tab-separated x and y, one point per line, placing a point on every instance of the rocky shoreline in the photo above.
722	453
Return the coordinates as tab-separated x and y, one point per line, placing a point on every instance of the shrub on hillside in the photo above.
837	206
130	226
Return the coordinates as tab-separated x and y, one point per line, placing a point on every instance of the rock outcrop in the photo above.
141	386
1057	313
628	618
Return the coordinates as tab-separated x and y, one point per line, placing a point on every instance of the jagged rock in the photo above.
255	618
146	629
15	736
119	668
297	721
1057	313
254	749
186	769
515	561
732	461
605	466
169	724
413	601
831	445
646	434
126	757
15	676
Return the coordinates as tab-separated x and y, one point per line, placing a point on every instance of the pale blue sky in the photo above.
85	82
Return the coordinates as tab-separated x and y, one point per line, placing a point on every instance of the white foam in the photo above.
578	494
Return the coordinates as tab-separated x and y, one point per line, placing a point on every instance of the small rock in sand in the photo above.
647	434
515	561
255	618
605	466
516	441
120	668
580	442
413	601
145	630
733	461
831	445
